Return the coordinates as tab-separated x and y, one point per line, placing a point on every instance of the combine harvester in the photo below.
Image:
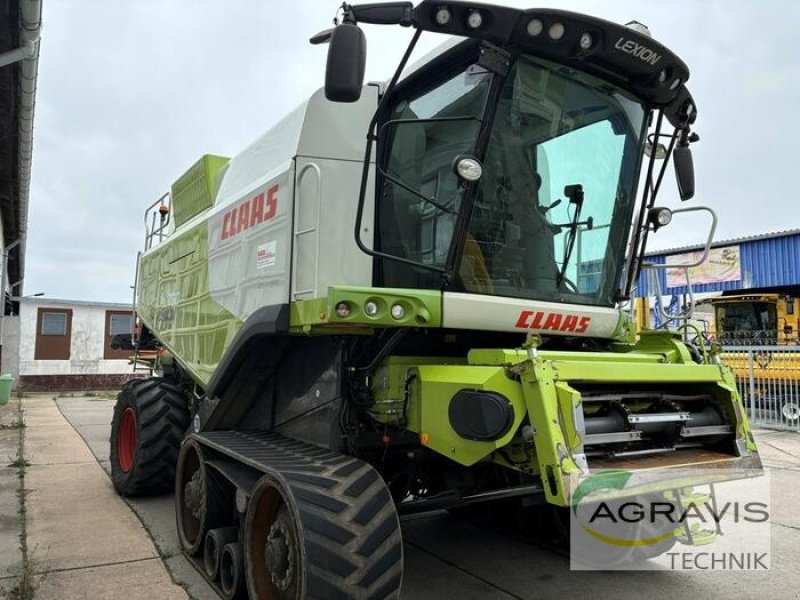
346	333
760	335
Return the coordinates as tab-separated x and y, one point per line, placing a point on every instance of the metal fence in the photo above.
768	378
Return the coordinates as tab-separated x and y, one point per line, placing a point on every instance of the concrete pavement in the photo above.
82	539
444	557
10	524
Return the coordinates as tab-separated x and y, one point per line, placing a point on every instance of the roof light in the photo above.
443	16
662	76
586	41
556	31
535	27
474	19
675	84
638	28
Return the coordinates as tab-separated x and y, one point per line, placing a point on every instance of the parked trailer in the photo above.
348	331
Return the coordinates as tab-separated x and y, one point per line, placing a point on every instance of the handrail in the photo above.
157	228
689	312
297	233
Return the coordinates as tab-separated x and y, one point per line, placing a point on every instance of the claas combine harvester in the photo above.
409	296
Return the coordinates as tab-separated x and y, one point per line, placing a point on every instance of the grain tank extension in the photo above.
410	296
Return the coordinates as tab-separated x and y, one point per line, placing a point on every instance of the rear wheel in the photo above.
150	419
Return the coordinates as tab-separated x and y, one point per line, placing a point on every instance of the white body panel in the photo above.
248	261
282	225
324	252
493	313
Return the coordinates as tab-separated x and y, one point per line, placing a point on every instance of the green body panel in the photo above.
195	190
438	383
174	302
415	392
423	308
553	456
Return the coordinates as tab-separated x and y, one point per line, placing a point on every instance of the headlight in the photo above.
343	310
398	312
659	216
468	168
370	308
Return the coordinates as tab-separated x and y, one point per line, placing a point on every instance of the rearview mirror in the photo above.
347	58
684	171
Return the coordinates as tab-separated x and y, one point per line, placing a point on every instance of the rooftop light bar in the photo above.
623	54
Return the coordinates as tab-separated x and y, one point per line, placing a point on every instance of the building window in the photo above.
53	333
54	323
117	322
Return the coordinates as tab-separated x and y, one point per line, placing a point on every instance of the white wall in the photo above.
10	341
87	344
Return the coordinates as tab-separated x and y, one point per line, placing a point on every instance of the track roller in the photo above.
212	548
199	498
231	572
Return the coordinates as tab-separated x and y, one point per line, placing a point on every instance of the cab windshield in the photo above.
552	211
747	322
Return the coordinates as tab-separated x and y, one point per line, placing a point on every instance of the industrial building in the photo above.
57	345
766	262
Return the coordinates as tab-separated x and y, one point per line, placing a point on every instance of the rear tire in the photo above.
150	419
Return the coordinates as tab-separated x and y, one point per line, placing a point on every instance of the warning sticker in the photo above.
265	255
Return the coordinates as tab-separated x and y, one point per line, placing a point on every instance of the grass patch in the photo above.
26	583
97	396
20	464
17	424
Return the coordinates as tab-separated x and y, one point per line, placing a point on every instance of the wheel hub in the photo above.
278	556
194	495
126	440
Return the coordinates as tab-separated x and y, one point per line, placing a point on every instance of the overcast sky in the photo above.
132	92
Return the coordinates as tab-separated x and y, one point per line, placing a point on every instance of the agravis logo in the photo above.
610	480
630	520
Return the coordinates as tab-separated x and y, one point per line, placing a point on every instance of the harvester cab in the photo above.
476	146
407	297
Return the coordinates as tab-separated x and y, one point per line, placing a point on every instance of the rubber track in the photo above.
162	419
348	520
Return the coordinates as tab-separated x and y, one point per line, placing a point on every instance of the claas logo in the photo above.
259	209
547	321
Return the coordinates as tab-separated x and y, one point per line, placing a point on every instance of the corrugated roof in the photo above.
721	243
20	22
766	261
43	301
